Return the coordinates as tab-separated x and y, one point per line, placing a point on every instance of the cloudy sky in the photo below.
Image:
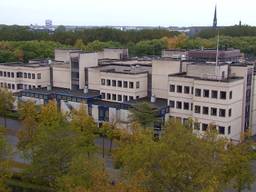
127	12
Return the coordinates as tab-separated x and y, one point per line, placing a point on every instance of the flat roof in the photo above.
64	92
111	104
125	69
184	75
20	64
158	104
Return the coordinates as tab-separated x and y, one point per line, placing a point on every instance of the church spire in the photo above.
215	18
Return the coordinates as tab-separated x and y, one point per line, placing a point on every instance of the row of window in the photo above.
120	83
214	94
117	97
20	75
204	126
199	109
19	86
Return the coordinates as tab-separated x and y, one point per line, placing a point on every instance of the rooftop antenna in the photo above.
217	52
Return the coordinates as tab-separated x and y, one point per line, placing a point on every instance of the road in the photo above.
14	126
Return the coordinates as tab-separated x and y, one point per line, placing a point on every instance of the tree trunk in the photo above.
110	145
103	146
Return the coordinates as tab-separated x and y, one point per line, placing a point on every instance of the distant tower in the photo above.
215	18
48	23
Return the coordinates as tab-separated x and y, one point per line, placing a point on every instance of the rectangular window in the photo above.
130	98
197	109
179	89
103	95
119	97
205	110
137	85
186	106
229	129
114	97
172	88
108	96
131	85
119	83
38	75
114	83
4	74
172	104
1	73
178	105
206	93
29	75
13	86
223	95
214	94
125	98
19	86
230	94
214	111
197	126
125	84
33	76
8	74
222	112
186	89
102	81
185	121
198	92
230	112
192	90
12	74
108	82
221	130
204	127
9	86
25	75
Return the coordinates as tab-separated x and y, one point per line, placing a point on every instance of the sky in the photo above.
127	12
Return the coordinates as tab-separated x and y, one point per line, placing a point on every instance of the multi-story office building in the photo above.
108	83
19	76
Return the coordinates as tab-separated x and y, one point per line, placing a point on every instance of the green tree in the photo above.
5	157
112	132
181	161
84	175
239	166
144	113
80	44
86	127
6	103
29	117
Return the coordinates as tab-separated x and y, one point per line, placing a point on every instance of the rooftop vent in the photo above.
49	87
153	99
85	89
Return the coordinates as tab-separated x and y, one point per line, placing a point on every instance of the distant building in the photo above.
109	83
48	23
225	55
